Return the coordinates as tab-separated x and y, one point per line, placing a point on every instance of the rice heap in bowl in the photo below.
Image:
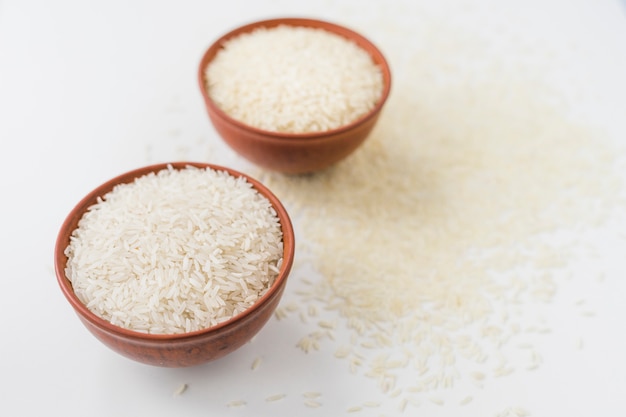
175	251
293	79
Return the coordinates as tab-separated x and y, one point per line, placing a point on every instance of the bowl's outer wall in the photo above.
292	156
189	351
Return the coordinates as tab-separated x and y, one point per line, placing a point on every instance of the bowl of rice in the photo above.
294	95
175	264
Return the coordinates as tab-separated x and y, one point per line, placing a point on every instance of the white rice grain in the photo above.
466	400
180	390
274	398
312	404
236	403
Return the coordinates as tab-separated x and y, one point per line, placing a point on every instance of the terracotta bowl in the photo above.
294	153
186	349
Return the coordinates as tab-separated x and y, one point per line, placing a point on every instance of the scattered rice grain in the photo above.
274	398
466	400
180	390
312	404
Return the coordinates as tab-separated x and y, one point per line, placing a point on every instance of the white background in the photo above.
89	90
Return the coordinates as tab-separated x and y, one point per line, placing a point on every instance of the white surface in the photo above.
91	89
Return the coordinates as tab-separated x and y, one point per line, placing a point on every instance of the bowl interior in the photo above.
71	223
359	39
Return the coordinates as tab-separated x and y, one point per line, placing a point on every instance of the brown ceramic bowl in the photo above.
186	349
294	153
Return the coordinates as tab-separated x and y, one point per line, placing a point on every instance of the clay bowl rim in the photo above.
70	223
335	28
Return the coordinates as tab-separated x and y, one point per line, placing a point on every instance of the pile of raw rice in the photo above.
294	79
175	251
